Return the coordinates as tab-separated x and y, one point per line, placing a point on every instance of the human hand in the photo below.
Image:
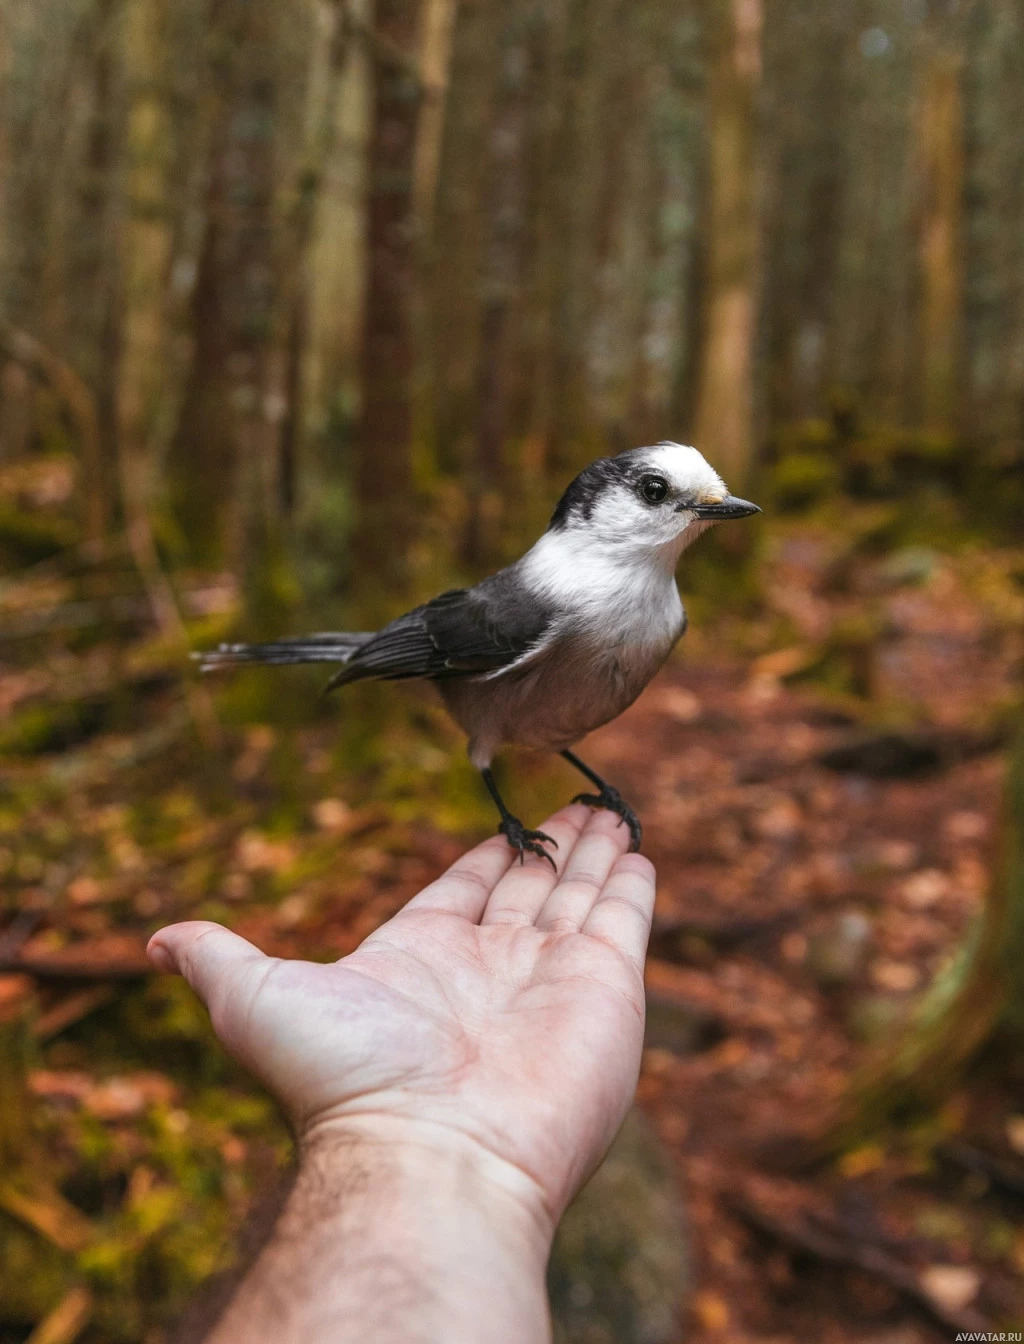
498	1014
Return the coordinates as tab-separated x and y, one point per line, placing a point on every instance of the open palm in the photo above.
502	1005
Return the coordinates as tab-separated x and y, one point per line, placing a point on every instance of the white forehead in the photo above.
685	468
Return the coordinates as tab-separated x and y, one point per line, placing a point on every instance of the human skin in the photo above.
451	1084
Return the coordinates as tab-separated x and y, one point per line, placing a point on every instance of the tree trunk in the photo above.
297	282
804	159
664	349
941	237
456	241
221	463
723	423
435	60
95	280
589	47
384	478
501	278
973	1013
993	416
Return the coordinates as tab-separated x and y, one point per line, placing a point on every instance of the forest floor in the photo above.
821	804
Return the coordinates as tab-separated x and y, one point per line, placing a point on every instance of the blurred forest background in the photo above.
309	310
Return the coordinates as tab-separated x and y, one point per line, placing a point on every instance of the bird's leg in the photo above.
608	798
519	836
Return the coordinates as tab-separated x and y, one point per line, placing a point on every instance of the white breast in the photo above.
615	596
615	620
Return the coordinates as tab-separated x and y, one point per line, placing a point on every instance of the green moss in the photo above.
28	536
50	727
34	1274
801	478
942	486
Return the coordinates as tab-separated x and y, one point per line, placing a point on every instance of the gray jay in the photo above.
560	642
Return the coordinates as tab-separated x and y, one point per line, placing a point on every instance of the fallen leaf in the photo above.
925	888
1015	1133
680	704
84	891
331	814
60	1085
781	821
896	855
292	911
118	1098
967	825
951	1287
783	663
126	1097
899	977
861	1161
711	1311
256	851
14	989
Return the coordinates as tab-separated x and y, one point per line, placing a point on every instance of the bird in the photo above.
551	647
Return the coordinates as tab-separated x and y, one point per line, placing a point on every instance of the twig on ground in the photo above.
23	926
1008	1176
831	1246
47	1211
67	1320
117	957
70	1010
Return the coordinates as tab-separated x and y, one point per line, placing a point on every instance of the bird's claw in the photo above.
612	801
525	841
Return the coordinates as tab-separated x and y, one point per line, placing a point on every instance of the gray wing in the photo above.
464	632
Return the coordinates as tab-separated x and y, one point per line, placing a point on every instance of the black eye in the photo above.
654	489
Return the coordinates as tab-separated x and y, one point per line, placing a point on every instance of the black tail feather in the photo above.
324	648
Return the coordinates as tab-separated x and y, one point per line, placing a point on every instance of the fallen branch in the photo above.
47	1212
669	937
1007	1176
904	755
830	1246
57	968
109	958
80	615
23	926
67	1320
70	1010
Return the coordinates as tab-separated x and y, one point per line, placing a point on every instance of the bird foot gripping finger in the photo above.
611	800
525	841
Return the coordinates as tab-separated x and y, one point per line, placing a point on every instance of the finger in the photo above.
586	871
520	894
464	889
622	915
214	961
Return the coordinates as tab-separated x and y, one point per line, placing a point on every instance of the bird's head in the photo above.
660	499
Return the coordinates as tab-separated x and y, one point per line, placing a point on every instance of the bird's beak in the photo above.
729	507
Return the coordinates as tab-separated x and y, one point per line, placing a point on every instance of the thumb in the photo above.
212	959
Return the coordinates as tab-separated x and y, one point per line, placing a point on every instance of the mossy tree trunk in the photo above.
973	1017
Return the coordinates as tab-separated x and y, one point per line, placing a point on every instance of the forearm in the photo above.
396	1238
